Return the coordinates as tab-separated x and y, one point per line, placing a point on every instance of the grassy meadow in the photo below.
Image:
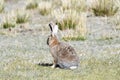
92	27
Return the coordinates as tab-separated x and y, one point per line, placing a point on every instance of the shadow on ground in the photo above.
49	65
45	64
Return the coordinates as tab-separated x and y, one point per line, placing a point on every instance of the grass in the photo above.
80	5
73	36
45	8
116	21
22	17
69	19
71	15
101	69
104	8
73	4
21	54
66	4
78	38
2	5
91	68
108	38
72	21
8	22
32	5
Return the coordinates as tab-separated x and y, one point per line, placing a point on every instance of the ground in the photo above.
22	52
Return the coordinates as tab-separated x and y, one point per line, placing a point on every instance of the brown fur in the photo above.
53	41
63	54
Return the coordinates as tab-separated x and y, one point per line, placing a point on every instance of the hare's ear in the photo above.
55	29
51	28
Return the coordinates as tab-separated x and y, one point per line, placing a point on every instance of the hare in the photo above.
63	54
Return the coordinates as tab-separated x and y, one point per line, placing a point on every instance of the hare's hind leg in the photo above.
73	67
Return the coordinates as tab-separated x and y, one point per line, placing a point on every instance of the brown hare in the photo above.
63	54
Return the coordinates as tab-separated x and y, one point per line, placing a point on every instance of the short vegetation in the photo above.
116	20
21	54
71	22
68	19
45	8
104	8
2	5
71	19
8	23
11	19
32	5
22	17
78	5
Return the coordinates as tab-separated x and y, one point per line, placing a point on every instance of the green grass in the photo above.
67	23
102	69
91	68
78	38
104	8
20	58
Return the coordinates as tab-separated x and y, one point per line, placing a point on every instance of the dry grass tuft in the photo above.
66	4
8	22
45	7
116	20
1	6
78	5
76	35
22	17
104	7
32	5
71	22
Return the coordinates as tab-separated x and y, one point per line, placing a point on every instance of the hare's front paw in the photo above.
53	66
